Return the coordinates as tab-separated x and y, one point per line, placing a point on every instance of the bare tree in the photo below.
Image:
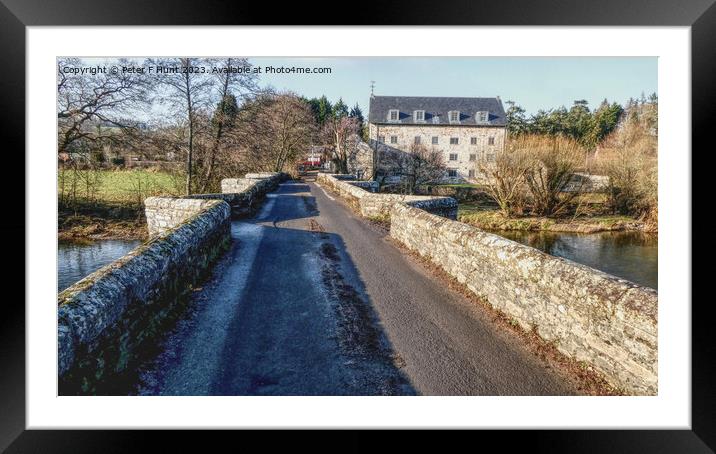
628	157
187	91
231	87
87	101
421	166
506	177
339	131
276	131
554	161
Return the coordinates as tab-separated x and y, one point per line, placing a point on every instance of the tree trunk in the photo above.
190	112
219	133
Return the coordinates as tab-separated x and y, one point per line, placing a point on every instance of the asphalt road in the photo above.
312	300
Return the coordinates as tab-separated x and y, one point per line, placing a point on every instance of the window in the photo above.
452	173
473	157
491	157
453	140
393	115
435	140
454	116
381	139
482	117
471	173
473	140
453	156
417	140
393	139
419	115
491	141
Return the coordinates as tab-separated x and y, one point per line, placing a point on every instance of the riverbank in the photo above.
107	204
101	222
478	208
490	218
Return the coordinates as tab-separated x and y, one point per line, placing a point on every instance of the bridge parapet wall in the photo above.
106	320
607	322
372	204
244	193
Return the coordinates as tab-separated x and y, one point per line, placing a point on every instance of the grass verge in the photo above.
490	218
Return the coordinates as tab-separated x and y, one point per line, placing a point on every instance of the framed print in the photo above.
474	218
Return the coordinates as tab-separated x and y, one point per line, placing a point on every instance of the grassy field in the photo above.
111	205
118	186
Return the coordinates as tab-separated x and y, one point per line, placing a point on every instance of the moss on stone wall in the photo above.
112	320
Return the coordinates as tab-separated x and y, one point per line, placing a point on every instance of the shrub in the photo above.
553	163
505	177
633	178
97	156
629	158
534	170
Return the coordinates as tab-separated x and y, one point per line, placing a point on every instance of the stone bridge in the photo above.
325	287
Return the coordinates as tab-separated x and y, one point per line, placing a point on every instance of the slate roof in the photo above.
436	110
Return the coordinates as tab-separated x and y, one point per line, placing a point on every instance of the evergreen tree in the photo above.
314	104
340	109
540	123
579	121
605	120
226	111
356	112
516	120
558	121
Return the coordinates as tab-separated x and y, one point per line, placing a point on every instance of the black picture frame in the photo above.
16	15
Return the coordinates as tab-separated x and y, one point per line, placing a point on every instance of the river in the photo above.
629	255
77	260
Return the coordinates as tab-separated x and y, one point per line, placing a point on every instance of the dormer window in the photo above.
393	114
419	115
482	117
454	116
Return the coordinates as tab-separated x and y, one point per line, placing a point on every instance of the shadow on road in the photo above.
285	313
304	325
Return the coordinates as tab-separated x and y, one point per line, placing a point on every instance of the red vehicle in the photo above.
311	163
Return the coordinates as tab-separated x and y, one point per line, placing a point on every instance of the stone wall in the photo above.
165	213
370	186
243	194
235	185
591	316
109	319
378	205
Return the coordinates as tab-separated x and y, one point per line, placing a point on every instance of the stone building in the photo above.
466	131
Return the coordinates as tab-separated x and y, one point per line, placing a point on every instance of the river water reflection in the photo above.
629	255
77	260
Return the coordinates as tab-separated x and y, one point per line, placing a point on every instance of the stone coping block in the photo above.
262	175
164	213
